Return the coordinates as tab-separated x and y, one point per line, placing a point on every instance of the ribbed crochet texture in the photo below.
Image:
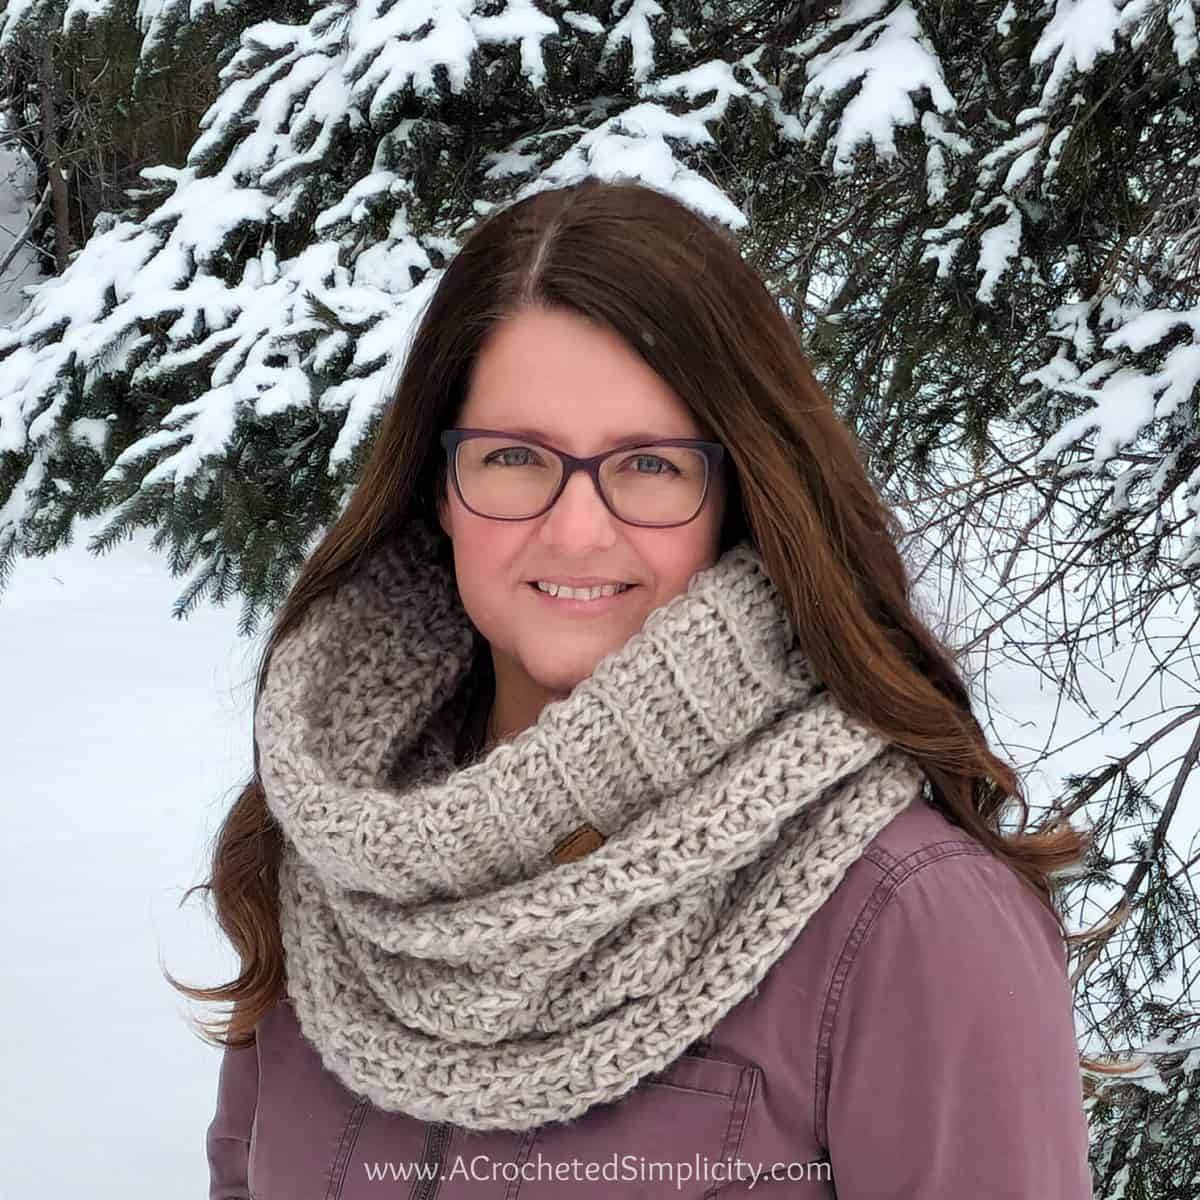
438	959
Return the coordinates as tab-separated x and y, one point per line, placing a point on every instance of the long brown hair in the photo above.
676	288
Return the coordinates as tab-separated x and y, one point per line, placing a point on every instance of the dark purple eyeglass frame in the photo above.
713	453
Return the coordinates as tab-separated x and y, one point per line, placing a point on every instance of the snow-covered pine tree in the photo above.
945	192
96	92
982	214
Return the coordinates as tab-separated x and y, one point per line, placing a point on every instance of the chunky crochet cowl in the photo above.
513	940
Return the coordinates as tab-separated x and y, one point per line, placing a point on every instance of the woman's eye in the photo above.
497	455
653	458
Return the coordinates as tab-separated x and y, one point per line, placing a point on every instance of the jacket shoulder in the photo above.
947	1053
920	833
923	878
917	836
923	857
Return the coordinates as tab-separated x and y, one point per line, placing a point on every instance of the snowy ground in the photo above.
125	735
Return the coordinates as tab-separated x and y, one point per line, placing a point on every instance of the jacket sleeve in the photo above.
228	1138
953	1061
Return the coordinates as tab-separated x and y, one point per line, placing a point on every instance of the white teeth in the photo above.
590	593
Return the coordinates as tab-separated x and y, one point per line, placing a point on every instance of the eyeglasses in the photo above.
513	478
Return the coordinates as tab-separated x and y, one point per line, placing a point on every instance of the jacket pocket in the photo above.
678	1134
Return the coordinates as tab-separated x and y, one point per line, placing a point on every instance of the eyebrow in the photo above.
629	439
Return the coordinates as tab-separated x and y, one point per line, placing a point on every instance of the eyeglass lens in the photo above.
653	484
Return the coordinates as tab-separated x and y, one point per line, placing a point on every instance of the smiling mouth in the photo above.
581	599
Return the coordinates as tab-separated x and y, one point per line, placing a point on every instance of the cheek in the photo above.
482	566
672	561
484	556
701	545
481	547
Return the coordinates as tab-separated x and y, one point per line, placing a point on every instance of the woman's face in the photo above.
576	385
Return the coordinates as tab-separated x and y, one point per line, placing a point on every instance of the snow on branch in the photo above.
1146	375
865	75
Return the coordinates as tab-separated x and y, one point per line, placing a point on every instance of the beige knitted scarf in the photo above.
513	940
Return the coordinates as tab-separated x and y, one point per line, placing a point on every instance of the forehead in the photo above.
570	381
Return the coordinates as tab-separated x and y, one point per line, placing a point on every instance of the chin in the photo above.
562	679
567	673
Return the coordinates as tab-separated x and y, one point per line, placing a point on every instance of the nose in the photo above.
579	517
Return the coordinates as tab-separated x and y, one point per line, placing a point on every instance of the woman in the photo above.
617	828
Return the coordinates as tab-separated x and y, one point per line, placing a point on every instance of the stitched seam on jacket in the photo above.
254	1119
523	1154
755	1079
349	1138
735	1130
748	1085
896	871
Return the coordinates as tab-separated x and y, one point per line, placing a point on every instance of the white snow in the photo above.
998	246
126	734
635	28
940	139
584	22
944	243
634	144
1182	16
385	56
1126	397
1054	154
1080	32
888	61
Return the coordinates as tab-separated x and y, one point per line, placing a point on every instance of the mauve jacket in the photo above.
916	1041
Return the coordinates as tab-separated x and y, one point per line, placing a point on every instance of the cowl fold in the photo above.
441	957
